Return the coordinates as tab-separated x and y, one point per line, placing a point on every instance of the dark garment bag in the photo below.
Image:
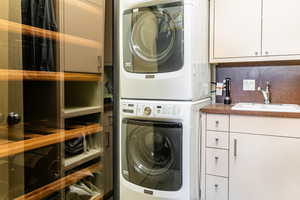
39	52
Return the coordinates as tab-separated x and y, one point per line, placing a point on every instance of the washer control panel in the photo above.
150	110
129	108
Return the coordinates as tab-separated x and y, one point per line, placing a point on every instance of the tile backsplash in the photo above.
285	82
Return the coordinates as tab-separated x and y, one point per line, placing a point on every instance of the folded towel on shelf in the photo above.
74	147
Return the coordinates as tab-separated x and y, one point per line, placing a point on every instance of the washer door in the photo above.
153	154
153	36
153	39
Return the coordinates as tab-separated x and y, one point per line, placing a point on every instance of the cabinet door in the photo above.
12	170
281	32
264	167
84	20
236	27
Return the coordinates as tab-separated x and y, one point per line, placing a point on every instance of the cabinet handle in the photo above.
99	58
235	148
216	158
13	118
107	140
267	53
217	140
216	186
256	53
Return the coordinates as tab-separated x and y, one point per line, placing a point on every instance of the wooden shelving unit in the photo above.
62	183
79	111
82	100
69	98
15	75
11	148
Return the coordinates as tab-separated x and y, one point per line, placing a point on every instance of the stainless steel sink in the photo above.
267	107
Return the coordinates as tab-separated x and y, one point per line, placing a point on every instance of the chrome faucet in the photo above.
265	93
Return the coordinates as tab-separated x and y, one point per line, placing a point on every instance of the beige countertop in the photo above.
226	109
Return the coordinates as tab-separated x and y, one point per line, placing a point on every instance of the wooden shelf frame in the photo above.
77	160
19	75
80	111
14	27
58	136
62	183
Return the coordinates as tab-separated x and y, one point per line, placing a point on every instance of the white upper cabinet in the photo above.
254	30
281	28
236	28
83	21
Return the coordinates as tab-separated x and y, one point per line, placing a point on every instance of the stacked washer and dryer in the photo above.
164	81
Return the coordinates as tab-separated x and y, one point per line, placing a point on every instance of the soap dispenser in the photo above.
227	88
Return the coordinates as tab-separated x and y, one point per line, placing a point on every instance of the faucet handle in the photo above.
258	88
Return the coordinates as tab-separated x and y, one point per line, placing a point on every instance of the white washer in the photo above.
164	50
160	150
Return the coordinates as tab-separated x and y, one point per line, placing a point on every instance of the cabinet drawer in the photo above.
217	139
217	162
218	122
274	126
216	188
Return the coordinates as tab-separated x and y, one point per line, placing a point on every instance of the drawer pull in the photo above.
217	123
216	186
216	158
235	148
217	140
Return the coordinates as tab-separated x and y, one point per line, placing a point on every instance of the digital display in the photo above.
127	111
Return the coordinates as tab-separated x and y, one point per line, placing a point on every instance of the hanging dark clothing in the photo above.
39	52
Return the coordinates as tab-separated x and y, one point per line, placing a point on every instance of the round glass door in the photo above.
151	152
153	35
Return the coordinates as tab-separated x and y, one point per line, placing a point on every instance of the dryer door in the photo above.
153	154
154	39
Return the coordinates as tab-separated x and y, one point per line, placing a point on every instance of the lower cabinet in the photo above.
257	159
264	167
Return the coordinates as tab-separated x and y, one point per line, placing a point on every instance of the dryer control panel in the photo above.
150	109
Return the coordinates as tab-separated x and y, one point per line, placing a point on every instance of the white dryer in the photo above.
160	150
125	4
164	50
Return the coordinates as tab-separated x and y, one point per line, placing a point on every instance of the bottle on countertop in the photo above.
227	88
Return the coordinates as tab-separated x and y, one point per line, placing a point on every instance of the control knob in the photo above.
147	111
